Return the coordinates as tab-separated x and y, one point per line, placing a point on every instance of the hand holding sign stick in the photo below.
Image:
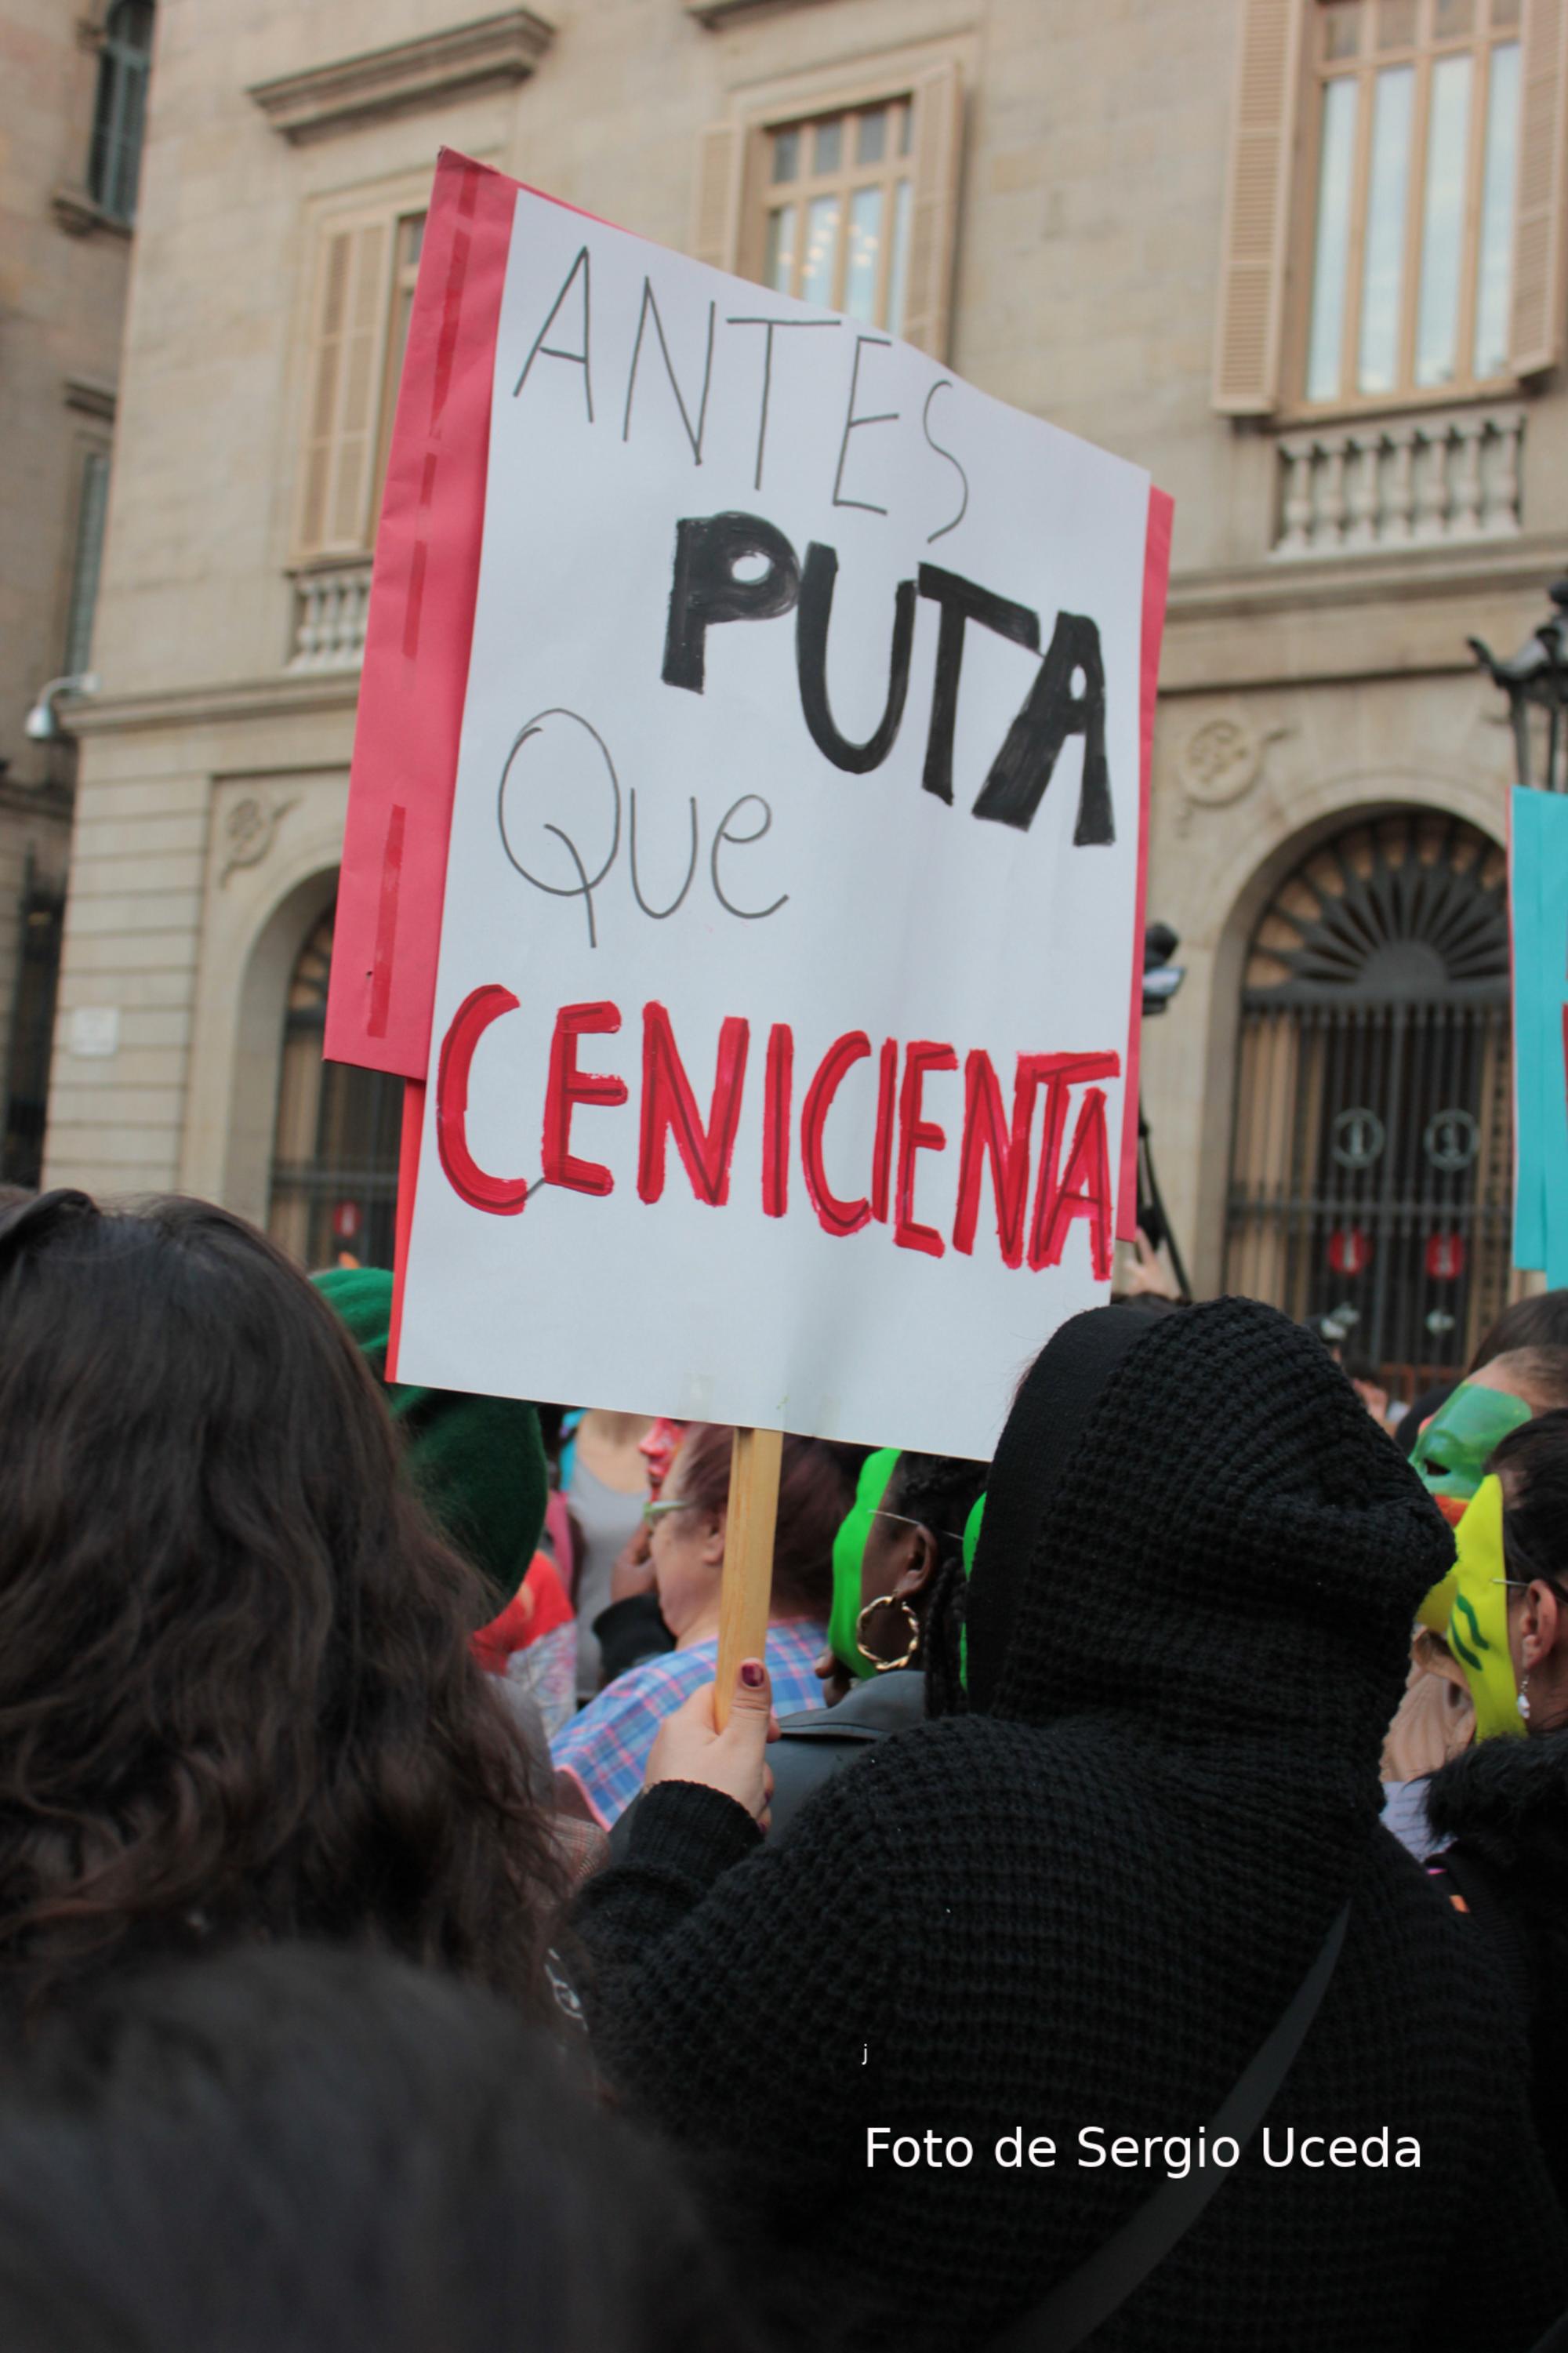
748	1558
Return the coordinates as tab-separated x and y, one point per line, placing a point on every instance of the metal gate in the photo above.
25	1092
334	1164
1371	1174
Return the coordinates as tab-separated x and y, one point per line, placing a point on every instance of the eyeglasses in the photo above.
879	1514
651	1512
1535	1577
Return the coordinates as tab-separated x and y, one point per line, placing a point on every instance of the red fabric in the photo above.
416	672
537	1607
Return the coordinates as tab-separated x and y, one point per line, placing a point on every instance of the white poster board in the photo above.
784	989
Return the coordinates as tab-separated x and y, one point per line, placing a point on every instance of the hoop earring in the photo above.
889	1601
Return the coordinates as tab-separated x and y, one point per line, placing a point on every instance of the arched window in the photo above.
120	111
1371	1170
334	1157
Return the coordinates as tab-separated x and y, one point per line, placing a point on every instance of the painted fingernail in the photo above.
751	1675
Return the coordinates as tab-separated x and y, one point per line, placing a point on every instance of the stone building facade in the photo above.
71	78
1301	259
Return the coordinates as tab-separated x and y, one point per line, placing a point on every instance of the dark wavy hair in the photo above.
325	2150
236	1697
1535	1498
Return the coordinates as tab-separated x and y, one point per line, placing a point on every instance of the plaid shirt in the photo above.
605	1748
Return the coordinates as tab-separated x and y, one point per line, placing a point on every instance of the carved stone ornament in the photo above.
1222	759
250	830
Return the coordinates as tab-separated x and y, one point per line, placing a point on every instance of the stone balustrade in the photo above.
330	606
1403	481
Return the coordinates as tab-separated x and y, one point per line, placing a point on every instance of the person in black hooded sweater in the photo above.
1502	1807
1084	1902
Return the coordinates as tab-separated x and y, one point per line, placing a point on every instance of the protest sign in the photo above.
770	939
1537	898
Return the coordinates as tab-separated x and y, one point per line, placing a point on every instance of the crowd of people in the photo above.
1125	1904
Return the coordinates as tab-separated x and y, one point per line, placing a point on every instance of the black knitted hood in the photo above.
1216	1541
1508	1801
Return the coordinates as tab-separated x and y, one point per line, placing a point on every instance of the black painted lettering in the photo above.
1051	712
577	359
704	589
694	433
813	616
962	601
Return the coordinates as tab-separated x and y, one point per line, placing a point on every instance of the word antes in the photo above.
692	407
1066	697
1067	1187
1175	2154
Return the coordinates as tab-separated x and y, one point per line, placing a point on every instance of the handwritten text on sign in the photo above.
783	998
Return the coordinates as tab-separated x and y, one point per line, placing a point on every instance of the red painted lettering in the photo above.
503	1196
567	1086
1009	1153
1084	1191
882	1150
1060	1072
777	1083
670	1108
916	1134
835	1217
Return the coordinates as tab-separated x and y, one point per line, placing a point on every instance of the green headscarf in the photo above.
476	1462
849	1560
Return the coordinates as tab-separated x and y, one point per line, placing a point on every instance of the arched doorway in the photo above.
1371	1158
334	1157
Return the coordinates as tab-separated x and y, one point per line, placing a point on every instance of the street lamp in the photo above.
1536	678
42	724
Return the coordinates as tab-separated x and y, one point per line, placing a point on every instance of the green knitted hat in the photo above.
476	1462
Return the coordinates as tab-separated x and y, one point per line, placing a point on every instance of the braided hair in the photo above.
939	1491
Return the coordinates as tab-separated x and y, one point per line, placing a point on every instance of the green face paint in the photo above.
850	1561
1452	1453
1477	1627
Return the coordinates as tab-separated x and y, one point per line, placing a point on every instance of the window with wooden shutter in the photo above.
1536	323
849	199
1252	288
347	362
1434	132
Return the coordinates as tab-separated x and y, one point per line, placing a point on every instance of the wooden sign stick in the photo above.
747	1588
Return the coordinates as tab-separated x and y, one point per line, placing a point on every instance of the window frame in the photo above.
769	195
732	176
387	208
1405	394
394	346
121	67
92	465
315	1096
